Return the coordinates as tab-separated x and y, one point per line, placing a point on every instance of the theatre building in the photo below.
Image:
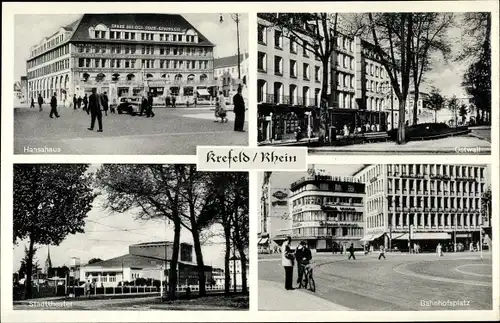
145	260
327	212
423	203
124	55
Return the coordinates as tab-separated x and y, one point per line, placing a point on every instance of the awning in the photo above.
263	241
377	235
422	236
202	92
368	237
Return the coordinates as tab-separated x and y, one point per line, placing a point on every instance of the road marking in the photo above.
471	273
401	269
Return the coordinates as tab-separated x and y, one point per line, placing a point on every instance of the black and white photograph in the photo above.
375	83
135	83
376	237
129	237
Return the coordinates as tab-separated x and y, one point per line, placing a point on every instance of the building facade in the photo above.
286	72
124	55
422	203
327	212
275	218
227	68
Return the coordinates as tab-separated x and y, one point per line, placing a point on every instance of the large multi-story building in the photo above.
423	203
287	73
327	211
123	54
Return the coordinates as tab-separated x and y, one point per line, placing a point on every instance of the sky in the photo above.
103	239
285	179
31	29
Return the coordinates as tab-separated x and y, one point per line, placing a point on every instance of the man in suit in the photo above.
239	110
105	103
85	104
95	110
149	111
40	101
53	106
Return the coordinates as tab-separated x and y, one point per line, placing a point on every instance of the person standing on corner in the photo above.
149	111
53	106
95	110
287	258
85	103
239	110
40	101
75	102
32	105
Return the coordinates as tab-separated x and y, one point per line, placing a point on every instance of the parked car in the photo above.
130	105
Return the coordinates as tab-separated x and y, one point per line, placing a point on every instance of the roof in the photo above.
229	60
133	261
136	19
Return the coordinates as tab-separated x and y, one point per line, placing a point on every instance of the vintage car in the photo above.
130	105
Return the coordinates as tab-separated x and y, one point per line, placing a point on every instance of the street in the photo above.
402	282
476	143
171	132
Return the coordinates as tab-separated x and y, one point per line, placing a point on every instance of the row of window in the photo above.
143	63
433	202
375	70
128	35
332	232
53	54
432	170
322	216
144	50
434	220
100	277
423	186
320	200
278	96
48	69
48	45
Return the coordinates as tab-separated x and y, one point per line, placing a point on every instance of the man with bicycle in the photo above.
303	256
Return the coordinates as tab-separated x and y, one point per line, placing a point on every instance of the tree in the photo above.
435	102
453	106
228	199
429	36
50	202
94	260
24	263
392	34
154	190
486	204
462	112
476	51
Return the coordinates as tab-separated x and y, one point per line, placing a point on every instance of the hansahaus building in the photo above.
124	55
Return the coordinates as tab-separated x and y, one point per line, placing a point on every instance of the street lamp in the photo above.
236	19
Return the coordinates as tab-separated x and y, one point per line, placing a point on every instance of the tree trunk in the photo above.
324	82
401	123
172	275
29	270
244	286
227	276
323	111
415	106
199	260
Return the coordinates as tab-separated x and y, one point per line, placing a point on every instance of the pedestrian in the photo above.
85	104
222	114
217	109
303	256
287	258
371	248
144	106
439	250
173	101
86	288
239	110
351	252
75	102
53	106
382	252
79	101
40	101
32	105
149	111
112	106
95	110
105	103
195	100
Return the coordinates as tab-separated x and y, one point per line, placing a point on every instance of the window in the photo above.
293	68
278	39
87	62
306	71
346	61
132	36
371	69
293	45
305	52
81	62
278	65
316	73
262	62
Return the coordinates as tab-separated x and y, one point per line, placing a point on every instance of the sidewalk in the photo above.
274	297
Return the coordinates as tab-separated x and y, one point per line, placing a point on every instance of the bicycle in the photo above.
308	279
